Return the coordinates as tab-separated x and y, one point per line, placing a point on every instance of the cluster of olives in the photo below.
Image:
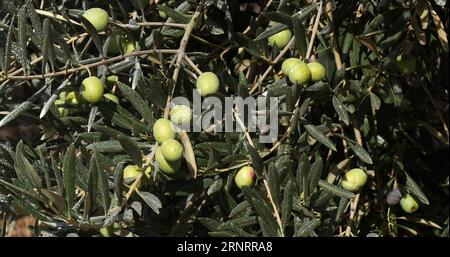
356	178
118	41
170	152
91	91
407	202
301	73
208	83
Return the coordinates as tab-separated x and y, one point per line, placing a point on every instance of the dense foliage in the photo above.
382	107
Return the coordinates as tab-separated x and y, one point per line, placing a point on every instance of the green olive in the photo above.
207	83
172	150
62	111
317	71
129	46
97	17
288	64
115	41
111	97
281	39
131	172
112	79
181	114
246	176
300	74
73	97
163	129
406	64
63	95
409	204
354	180
169	167
92	89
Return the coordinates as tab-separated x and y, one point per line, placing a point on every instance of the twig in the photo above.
314	32
444	124
192	64
153	24
269	69
92	65
288	131
181	53
57	16
265	181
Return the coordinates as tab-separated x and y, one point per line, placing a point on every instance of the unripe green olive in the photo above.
97	17
109	231
129	46
246	176
288	64
172	150
300	74
73	97
181	114
207	83
62	111
317	71
354	180
92	89
406	64
131	172
112	79
115	41
169	167
281	39
118	41
63	95
409	204
111	97
163	129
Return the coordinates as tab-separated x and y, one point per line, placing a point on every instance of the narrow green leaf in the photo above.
315	173
362	154
239	222
69	176
336	190
131	148
319	136
271	31
151	200
256	160
22	38
239	208
22	163
307	227
279	17
415	189
138	103
340	109
300	36
211	224
286	206
175	15
93	34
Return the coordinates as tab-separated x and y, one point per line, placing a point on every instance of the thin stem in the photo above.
314	32
57	16
92	65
